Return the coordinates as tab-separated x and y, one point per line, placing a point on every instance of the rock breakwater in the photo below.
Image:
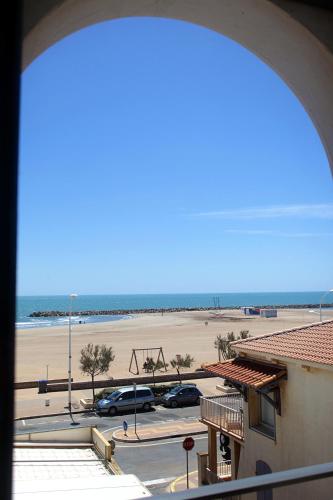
123	312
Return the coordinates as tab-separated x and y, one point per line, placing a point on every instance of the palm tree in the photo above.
223	346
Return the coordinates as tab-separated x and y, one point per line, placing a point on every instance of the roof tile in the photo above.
313	343
247	372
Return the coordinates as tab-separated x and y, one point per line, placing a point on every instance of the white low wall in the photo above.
78	434
101	444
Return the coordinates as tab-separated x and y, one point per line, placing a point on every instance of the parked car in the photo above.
125	399
182	395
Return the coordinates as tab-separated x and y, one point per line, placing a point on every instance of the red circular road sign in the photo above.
188	443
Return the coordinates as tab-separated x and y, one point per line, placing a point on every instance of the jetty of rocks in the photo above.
124	312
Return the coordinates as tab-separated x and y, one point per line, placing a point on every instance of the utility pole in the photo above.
71	297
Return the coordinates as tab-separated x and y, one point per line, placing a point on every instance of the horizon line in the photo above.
167	293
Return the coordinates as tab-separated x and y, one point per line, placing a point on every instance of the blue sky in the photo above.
158	156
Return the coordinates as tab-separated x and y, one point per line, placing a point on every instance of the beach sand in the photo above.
177	333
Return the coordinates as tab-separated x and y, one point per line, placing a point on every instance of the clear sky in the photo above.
158	156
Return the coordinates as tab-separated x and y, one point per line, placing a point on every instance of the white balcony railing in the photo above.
224	469
225	412
223	472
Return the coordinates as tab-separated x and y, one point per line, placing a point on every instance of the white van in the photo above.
125	399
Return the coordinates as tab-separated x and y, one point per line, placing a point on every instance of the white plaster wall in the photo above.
304	433
79	434
101	443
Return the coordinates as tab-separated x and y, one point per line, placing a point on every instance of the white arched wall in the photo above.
277	38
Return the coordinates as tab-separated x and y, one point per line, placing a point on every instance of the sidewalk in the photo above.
157	431
29	403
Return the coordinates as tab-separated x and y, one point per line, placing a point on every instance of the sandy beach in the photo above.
178	333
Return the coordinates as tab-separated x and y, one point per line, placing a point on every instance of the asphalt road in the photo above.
107	424
155	463
158	463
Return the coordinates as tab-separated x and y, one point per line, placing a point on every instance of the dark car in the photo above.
179	395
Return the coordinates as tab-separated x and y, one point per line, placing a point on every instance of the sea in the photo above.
29	304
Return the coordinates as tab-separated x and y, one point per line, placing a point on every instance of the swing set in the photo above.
134	358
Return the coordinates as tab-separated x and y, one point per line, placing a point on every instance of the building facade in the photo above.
281	415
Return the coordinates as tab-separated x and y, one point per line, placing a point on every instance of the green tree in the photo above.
151	366
94	361
181	362
222	344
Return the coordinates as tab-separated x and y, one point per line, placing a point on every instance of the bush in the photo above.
158	390
104	392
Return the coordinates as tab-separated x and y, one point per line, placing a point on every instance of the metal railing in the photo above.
226	412
224	468
229	489
223	472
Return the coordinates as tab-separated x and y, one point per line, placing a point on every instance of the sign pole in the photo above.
187	486
188	445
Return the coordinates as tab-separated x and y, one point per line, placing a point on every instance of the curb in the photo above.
180	478
52	415
157	438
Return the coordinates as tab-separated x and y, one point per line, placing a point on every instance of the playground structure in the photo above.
147	359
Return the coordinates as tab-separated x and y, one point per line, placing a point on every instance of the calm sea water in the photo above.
27	305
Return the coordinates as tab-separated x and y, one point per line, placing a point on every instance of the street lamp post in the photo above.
321	301
134	407
71	297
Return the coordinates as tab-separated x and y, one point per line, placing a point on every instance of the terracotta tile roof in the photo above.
247	372
312	343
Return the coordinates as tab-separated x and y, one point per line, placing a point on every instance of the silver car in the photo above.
127	399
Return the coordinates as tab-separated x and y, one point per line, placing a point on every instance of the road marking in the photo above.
112	429
46	422
65	419
151	423
158	481
180	478
160	443
118	427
